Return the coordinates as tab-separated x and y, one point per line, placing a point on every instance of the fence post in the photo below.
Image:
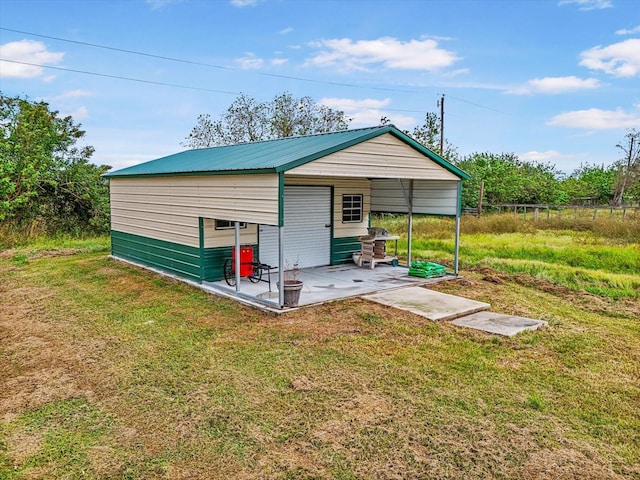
536	210
595	213
480	199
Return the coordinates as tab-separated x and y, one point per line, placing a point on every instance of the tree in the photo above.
590	183
507	179
247	120
44	175
428	134
628	166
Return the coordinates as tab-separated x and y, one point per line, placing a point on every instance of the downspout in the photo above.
237	247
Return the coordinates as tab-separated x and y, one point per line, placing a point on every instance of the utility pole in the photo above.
441	103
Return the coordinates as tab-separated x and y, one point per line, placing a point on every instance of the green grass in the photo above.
115	372
582	260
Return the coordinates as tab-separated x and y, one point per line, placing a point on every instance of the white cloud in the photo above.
456	73
72	94
353	104
550	156
157	4
628	31
597	119
344	53
244	3
29	51
555	85
368	111
589	4
78	114
279	61
250	62
619	59
284	31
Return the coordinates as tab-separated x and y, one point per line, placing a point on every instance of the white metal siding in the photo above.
434	197
381	157
307	231
167	208
227	238
341	186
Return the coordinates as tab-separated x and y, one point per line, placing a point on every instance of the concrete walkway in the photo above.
433	305
385	284
438	306
499	323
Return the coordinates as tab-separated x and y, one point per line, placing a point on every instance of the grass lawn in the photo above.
109	371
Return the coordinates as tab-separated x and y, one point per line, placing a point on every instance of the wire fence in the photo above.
536	212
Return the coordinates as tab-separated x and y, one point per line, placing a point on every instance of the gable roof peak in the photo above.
270	156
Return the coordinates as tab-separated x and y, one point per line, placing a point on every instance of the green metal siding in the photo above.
213	262
180	260
343	248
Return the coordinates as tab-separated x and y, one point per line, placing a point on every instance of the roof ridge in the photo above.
267	156
295	137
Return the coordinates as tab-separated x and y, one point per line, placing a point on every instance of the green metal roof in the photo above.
273	156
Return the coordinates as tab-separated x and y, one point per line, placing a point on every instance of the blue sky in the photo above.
554	81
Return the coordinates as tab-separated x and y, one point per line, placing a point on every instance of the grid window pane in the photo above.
352	208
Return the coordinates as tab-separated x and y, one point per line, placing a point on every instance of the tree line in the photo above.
506	178
48	183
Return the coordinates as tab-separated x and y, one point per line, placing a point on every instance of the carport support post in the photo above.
456	248
408	199
457	245
237	247
409	222
280	268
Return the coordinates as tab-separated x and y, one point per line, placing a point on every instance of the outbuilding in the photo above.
300	201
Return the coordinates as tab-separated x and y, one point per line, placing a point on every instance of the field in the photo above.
109	371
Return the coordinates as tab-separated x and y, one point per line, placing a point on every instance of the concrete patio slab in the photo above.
499	323
325	284
433	305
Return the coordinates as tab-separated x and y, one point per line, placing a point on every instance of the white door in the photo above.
306	232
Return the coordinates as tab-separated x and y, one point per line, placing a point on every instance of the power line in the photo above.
166	84
130	79
477	105
202	64
222	67
219	67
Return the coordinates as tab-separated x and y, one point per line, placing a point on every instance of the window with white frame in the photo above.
228	225
352	208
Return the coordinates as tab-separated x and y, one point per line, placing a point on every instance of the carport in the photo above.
300	201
